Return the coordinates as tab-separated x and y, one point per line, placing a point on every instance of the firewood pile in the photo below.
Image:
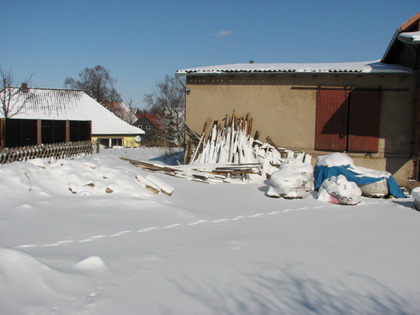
224	152
228	142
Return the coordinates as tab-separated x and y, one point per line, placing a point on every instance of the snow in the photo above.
334	159
341	159
410	37
374	66
206	249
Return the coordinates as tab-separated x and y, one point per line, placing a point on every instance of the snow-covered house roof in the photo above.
121	110
61	104
376	67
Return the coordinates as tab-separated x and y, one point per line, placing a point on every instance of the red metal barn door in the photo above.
331	120
364	119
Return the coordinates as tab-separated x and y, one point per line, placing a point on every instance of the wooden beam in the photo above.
67	132
39	132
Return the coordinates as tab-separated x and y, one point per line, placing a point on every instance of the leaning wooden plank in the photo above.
202	177
215	175
148	184
155	168
238	166
158	166
163	186
199	180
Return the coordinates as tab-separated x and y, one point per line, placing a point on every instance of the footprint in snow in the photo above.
171	226
220	221
197	222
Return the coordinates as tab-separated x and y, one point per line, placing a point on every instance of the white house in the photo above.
58	114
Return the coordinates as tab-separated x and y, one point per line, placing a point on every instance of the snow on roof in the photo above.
121	110
73	105
410	37
343	67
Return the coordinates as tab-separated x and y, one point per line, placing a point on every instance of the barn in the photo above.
369	110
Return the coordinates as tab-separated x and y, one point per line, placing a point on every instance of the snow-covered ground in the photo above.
84	237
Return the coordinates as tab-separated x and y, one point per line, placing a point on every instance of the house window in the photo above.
104	142
20	132
53	131
80	130
347	121
116	142
111	142
148	127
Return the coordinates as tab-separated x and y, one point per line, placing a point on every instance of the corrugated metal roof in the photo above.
72	105
255	68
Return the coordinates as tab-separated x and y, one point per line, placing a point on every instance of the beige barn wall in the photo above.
287	115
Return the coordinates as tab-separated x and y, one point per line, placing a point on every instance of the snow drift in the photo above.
207	249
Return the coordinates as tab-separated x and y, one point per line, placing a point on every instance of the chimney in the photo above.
24	87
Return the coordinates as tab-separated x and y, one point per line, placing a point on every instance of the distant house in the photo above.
370	110
150	124
58	115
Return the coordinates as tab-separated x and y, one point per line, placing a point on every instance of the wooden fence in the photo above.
56	150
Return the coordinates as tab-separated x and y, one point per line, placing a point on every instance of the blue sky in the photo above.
142	41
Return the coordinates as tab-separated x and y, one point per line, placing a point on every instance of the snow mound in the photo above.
16	265
85	177
334	159
338	190
25	277
93	263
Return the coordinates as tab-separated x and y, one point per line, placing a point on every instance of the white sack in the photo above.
338	190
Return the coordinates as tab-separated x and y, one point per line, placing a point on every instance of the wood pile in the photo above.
228	142
206	174
224	152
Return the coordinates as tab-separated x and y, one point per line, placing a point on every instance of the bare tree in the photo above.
13	100
168	100
97	82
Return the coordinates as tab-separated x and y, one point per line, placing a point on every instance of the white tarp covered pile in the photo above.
293	178
335	177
